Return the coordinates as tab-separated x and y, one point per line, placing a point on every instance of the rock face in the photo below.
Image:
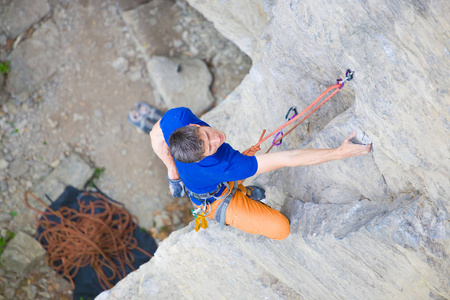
242	22
372	227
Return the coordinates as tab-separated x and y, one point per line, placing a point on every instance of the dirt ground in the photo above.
84	109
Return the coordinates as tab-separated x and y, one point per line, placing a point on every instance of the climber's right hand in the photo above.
176	188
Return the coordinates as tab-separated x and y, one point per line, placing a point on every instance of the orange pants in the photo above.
252	216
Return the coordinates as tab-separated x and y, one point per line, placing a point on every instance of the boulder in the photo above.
22	254
34	61
19	15
18	168
182	82
72	171
152	23
175	29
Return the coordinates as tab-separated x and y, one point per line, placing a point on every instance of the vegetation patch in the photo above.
97	173
4	67
5	239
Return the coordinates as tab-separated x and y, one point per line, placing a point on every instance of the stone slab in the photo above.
22	254
73	171
19	15
34	60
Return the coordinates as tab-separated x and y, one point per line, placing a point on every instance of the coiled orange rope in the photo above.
334	89
103	240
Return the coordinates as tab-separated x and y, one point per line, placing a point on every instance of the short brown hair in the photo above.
185	144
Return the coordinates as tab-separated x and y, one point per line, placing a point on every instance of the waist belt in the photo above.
210	197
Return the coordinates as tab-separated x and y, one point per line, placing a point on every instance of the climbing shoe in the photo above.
256	193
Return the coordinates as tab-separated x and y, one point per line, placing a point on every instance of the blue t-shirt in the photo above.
226	164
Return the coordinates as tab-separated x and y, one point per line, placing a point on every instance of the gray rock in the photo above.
135	73
190	35
21	14
31	291
22	254
44	295
18	168
3	39
3	186
34	61
182	81
130	4
72	171
120	64
151	33
3	164
9	292
98	113
4	217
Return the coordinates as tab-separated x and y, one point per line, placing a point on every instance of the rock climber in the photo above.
198	158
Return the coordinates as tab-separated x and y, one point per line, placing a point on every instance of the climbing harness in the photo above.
334	89
204	208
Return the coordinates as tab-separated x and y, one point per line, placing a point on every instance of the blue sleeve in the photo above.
177	118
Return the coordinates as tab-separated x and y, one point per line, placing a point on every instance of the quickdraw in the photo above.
348	77
201	209
200	221
199	216
334	89
276	141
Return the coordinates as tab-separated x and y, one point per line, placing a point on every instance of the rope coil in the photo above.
99	234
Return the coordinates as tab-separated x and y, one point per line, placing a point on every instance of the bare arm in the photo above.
162	150
272	161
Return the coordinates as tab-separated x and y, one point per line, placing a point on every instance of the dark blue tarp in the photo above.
87	285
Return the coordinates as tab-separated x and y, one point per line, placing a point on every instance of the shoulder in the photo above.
178	113
233	164
228	155
176	118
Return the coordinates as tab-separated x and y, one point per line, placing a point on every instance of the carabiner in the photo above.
276	137
292	109
348	76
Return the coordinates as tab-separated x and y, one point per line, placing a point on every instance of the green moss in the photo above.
4	67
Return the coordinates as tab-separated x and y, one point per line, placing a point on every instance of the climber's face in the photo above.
212	139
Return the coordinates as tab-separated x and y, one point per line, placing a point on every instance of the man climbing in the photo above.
196	154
